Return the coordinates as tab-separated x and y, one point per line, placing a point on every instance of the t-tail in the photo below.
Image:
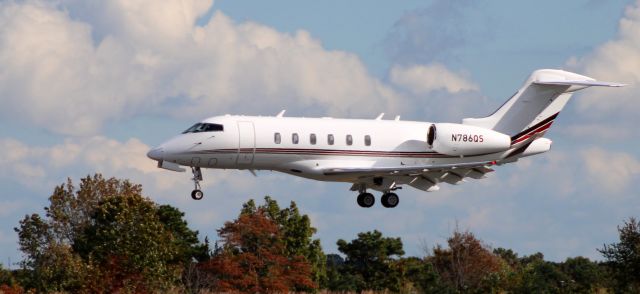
529	113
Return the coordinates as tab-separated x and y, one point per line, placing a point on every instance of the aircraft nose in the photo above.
155	154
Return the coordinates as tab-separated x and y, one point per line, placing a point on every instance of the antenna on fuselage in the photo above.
380	116
281	113
397	118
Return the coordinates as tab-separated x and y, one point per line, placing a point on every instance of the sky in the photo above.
90	86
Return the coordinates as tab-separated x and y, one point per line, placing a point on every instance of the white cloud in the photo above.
42	167
16	161
611	171
421	79
602	130
72	67
616	60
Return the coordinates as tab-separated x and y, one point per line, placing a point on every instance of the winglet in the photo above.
281	113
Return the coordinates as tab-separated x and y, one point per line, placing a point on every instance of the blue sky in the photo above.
90	86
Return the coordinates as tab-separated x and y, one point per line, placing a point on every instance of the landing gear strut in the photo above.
196	194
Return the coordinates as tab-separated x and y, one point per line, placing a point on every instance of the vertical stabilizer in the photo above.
531	110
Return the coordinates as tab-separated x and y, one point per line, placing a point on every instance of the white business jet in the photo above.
381	155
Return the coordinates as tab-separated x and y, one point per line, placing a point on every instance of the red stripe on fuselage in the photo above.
330	152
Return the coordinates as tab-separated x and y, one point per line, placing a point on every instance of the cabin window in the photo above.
277	138
349	140
312	139
330	139
367	140
294	138
204	127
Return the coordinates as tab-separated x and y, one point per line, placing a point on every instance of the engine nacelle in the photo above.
458	139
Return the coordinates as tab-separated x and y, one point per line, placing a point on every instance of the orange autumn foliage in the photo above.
253	259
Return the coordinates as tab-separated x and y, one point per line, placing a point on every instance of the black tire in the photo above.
390	200
366	200
197	195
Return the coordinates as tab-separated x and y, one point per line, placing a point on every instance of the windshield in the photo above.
204	127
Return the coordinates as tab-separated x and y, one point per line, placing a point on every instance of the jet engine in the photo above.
460	140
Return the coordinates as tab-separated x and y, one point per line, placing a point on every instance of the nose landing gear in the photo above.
196	194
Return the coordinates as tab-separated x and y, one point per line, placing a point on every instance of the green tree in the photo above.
583	274
6	277
419	275
624	257
336	279
370	261
125	232
185	239
49	265
297	234
540	276
103	236
510	257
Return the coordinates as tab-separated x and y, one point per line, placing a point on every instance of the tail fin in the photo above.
531	110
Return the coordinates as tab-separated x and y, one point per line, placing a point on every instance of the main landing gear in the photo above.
366	200
196	194
388	199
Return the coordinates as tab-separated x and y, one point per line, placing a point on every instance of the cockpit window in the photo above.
204	127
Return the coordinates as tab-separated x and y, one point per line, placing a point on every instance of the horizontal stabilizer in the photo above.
586	83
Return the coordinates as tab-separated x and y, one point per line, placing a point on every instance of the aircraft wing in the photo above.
425	178
403	169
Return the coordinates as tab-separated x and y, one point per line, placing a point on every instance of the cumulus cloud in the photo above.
611	171
615	60
46	164
436	33
604	131
437	93
421	79
39	168
72	66
16	155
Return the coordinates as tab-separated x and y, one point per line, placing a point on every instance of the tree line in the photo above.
104	236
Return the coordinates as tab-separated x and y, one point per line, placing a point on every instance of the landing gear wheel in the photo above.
197	194
390	200
366	200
